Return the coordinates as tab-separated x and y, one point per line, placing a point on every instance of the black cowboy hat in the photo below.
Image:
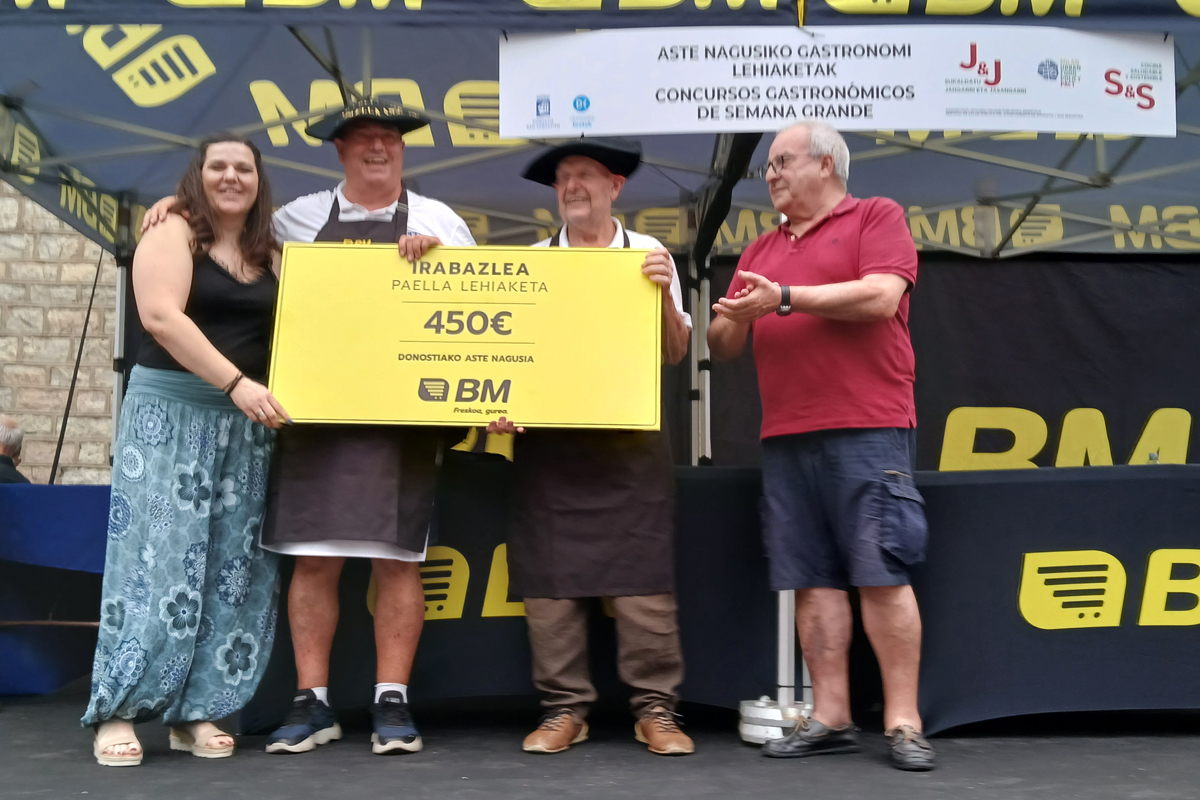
329	127
621	156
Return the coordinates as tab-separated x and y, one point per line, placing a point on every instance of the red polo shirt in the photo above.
819	374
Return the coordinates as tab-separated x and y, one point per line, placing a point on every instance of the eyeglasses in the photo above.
367	135
779	163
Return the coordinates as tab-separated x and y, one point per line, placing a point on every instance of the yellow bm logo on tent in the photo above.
162	73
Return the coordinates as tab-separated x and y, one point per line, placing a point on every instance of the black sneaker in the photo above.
308	724
811	738
394	727
910	751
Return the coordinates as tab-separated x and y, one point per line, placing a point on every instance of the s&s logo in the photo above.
581	103
1072	589
434	390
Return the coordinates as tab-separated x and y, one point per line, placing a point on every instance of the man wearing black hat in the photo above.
358	491
594	510
350	490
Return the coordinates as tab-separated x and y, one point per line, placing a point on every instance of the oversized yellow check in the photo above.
548	337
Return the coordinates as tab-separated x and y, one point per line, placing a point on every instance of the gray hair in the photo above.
11	436
824	140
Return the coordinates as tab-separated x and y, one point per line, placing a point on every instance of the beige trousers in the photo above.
649	658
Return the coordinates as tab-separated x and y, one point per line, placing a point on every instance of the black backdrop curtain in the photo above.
1045	333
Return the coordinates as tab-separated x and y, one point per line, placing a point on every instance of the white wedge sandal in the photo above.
110	734
184	739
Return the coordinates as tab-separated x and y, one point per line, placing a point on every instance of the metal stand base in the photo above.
765	719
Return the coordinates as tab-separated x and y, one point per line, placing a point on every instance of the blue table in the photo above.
52	541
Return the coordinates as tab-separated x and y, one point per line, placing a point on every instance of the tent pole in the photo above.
704	363
1101	155
694	356
124	258
367	46
786	651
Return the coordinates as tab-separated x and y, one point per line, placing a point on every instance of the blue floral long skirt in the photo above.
189	603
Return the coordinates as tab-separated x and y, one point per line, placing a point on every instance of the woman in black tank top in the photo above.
189	599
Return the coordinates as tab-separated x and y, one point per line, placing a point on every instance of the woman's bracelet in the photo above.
229	389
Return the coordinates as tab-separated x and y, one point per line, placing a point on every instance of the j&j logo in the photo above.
581	103
543	105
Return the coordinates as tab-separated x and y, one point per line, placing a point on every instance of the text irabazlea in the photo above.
496	269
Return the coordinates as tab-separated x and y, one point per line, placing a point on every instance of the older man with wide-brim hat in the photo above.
339	491
594	510
359	491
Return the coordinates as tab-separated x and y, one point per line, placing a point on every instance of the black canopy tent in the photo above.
97	119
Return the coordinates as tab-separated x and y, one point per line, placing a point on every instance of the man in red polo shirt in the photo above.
826	295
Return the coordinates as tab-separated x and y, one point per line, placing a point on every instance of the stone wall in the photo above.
46	273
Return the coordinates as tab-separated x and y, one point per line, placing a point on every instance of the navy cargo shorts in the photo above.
841	509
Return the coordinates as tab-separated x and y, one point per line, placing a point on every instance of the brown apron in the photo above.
593	513
363	483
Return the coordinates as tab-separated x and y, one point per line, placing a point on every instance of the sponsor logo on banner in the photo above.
542	119
1086	589
726	80
581	104
989	74
1069	71
1126	85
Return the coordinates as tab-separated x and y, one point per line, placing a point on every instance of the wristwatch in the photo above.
785	301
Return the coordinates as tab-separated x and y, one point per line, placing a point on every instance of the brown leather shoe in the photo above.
557	731
658	730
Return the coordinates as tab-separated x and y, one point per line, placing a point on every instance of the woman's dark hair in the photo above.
257	241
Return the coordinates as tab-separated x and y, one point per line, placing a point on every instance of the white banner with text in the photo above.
877	77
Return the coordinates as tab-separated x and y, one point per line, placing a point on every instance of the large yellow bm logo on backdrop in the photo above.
1086	589
445	575
1083	441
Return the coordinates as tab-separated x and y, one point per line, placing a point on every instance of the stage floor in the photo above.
43	753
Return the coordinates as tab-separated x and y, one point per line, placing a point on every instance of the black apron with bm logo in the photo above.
594	512
363	483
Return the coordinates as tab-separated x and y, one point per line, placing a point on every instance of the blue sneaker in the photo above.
394	727
308	724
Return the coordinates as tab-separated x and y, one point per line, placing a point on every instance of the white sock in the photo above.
322	693
380	688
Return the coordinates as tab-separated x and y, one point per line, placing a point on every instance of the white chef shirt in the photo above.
302	219
636	240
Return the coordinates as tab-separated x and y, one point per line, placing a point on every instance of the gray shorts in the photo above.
840	508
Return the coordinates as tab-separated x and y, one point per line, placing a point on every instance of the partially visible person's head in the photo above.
225	182
586	190
808	164
11	438
372	153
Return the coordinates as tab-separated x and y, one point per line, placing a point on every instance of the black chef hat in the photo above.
621	156
402	119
